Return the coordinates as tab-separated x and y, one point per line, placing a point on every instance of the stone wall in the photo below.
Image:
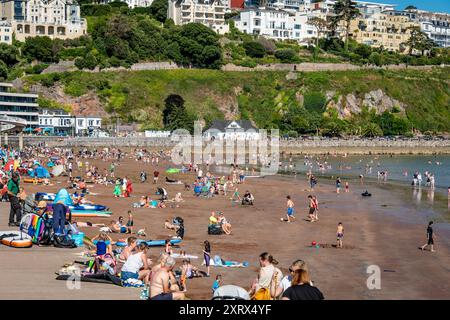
313	145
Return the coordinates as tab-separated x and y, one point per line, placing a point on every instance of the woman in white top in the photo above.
268	273
277	291
136	266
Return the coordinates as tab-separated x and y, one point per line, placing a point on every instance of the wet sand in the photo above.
387	236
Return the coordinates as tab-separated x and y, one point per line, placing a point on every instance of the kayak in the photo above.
151	243
15	239
28	180
91	207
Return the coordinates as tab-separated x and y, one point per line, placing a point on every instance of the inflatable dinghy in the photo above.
15	239
151	243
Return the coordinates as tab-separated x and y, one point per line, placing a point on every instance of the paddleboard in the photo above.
151	243
90	213
90	207
15	239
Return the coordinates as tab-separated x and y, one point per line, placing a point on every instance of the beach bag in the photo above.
63	241
215	230
262	294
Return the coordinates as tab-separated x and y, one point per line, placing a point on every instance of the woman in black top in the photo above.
301	288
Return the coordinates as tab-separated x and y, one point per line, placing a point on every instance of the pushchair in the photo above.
230	292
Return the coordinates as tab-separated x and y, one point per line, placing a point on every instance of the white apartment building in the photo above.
83	125
58	121
210	13
276	24
138	3
6	32
53	18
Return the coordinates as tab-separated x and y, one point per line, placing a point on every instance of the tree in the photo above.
410	7
88	62
286	55
3	71
321	26
158	9
41	49
175	115
371	130
345	10
8	54
418	40
254	49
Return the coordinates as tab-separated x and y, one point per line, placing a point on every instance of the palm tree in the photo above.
321	26
345	10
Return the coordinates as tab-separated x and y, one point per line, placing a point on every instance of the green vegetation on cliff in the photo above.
295	106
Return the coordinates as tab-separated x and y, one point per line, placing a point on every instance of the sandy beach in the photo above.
384	230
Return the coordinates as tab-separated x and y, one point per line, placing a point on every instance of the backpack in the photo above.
63	241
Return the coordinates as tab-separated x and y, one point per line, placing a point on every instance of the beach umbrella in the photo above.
27	129
230	292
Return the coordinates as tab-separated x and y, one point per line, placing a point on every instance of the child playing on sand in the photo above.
290	210
217	283
103	245
339	235
430	237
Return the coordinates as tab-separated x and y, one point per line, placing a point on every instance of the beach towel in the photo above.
219	262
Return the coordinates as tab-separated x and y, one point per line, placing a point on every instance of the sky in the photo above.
429	5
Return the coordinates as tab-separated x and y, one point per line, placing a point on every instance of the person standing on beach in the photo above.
290	210
430	237
338	185
13	190
339	235
347	187
207	255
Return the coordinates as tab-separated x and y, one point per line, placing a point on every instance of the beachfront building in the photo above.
84	125
6	33
53	18
210	13
276	24
57	121
231	129
19	105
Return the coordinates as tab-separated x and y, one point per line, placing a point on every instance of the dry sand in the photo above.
375	235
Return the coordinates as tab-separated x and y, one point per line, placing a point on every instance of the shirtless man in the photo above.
290	210
160	283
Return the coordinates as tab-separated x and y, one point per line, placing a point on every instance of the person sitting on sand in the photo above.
170	226
168	247
160	284
136	266
248	198
212	219
161	204
128	250
226	226
103	245
118	226
235	197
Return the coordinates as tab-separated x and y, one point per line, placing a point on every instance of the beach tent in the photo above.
57	170
50	164
63	195
230	292
40	172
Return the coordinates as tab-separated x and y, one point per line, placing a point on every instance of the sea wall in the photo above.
313	145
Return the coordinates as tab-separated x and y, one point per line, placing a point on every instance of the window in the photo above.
80	122
297	26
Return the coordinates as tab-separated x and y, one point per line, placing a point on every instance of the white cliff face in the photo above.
351	104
